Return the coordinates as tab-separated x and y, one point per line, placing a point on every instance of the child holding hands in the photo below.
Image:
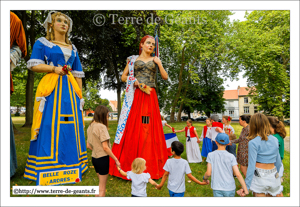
192	143
164	123
138	178
175	169
221	166
206	136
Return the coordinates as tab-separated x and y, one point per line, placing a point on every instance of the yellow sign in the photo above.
59	177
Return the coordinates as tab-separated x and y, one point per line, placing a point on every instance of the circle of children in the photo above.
260	153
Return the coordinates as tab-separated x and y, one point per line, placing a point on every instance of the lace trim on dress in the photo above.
78	74
74	49
34	62
47	43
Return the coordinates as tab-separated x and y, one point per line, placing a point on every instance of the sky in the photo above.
229	85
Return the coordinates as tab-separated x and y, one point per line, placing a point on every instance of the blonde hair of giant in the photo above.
50	34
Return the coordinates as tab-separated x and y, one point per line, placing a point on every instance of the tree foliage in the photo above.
194	37
261	47
92	97
104	49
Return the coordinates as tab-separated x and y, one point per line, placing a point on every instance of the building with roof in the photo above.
237	103
114	105
231	104
245	107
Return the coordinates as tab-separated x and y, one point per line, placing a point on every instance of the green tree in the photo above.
104	49
193	37
261	47
18	97
32	23
92	97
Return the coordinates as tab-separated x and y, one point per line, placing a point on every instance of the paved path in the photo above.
287	144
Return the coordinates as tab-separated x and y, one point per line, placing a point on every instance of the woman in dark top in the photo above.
143	134
242	152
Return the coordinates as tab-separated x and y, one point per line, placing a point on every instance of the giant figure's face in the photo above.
149	45
61	24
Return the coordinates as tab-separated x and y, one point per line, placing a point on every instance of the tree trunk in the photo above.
207	114
29	98
189	114
179	87
30	79
184	95
179	112
119	82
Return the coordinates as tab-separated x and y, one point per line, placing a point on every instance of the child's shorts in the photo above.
223	193
101	165
266	181
172	194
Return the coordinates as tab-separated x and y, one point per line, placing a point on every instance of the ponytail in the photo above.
278	126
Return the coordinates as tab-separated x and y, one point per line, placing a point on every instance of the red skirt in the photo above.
143	137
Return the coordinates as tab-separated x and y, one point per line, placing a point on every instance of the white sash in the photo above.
128	99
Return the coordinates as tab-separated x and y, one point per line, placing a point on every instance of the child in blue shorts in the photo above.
176	168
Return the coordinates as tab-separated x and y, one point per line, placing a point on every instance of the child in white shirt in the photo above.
138	178
164	123
175	169
228	129
221	166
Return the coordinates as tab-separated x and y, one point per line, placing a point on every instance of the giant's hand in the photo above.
136	83
59	71
157	60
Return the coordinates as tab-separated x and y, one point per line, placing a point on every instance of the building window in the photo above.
246	100
255	109
246	110
231	113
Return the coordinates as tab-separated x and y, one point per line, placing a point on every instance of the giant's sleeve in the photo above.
37	55
77	68
21	39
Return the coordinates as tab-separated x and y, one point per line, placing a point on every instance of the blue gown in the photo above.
13	153
59	148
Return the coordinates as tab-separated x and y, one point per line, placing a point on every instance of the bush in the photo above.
17	114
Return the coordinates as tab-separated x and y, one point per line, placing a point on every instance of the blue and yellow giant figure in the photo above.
57	153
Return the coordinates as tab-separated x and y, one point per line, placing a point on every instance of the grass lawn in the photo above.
117	187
